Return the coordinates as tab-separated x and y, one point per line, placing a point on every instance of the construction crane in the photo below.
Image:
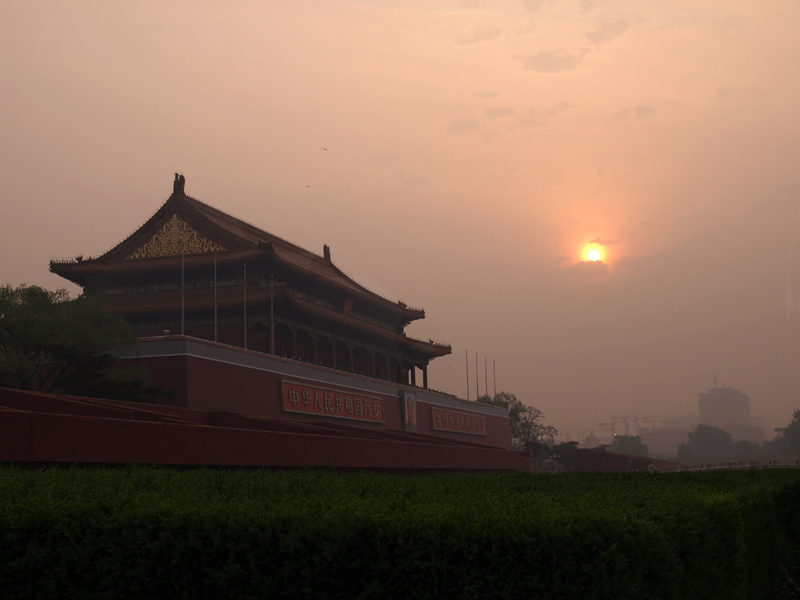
611	425
651	419
626	421
615	421
580	434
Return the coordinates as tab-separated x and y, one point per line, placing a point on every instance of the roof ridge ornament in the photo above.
177	185
174	238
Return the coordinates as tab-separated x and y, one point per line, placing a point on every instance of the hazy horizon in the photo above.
459	156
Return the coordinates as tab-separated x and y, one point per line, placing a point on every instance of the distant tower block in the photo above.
729	409
724	407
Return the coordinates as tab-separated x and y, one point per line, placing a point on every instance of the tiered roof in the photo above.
187	229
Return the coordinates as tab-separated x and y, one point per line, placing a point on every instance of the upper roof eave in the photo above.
234	235
83	268
343	282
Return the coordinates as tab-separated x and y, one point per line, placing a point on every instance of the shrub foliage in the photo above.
145	532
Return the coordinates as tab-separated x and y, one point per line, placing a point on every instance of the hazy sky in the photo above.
474	149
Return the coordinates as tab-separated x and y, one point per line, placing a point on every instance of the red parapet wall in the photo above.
47	428
207	375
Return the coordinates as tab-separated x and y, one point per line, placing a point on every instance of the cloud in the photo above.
551	61
476	37
628	266
528	120
530	28
473	4
606	33
587	6
585	270
560	107
537	5
642	111
534	118
559	259
463	125
485	95
498	112
603	242
639	266
407	180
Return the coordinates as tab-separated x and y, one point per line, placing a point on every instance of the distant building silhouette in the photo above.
729	409
591	441
663	441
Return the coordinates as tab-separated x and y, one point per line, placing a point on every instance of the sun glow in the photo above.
593	253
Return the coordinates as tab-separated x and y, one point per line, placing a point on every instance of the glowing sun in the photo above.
593	252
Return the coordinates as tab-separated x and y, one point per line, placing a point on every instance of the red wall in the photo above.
53	428
209	384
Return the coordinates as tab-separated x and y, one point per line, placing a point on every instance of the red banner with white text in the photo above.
312	400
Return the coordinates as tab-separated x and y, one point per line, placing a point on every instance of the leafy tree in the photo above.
787	443
774	447
28	319
746	449
792	434
564	453
707	441
629	444
528	431
51	343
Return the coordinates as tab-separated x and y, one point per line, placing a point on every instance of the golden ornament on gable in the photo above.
175	237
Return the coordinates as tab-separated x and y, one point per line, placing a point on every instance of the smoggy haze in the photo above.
473	149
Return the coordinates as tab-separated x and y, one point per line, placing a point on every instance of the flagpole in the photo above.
486	375
245	306
477	385
466	359
215	296
271	314
182	286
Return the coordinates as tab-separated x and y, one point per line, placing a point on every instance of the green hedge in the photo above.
146	532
